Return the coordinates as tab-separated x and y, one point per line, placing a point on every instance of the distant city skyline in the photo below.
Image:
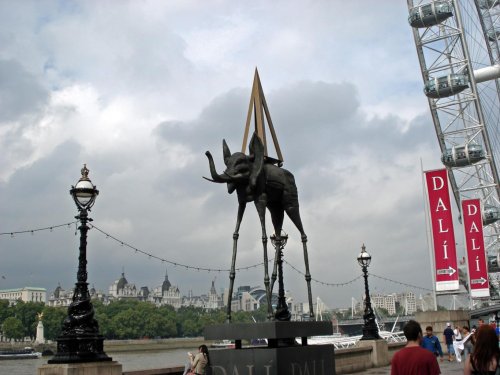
185	289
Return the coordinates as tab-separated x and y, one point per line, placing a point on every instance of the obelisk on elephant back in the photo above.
256	177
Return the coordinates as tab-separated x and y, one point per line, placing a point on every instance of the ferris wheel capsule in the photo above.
448	85
430	14
463	155
490	214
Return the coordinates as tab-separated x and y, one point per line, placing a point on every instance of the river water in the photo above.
129	361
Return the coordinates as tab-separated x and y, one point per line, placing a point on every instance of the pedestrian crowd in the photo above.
478	346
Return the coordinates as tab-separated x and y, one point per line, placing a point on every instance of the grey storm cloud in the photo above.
314	121
179	213
20	92
41	184
224	116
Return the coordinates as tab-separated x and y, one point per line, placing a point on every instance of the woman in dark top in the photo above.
484	359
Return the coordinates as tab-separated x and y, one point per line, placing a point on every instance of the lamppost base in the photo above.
79	349
283	314
370	333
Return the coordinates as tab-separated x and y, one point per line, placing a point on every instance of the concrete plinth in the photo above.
380	351
89	368
298	360
282	355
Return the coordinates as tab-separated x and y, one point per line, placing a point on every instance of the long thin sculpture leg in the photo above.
232	274
294	215
308	277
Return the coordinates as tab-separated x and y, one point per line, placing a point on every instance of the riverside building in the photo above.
26	294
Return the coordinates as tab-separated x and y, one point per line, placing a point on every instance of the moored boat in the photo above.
228	344
26	353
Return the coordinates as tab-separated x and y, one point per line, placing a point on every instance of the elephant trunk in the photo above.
220	178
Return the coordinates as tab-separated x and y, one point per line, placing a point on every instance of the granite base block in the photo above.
88	368
287	351
291	360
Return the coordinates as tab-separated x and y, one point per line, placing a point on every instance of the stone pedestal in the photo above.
80	349
40	339
380	351
282	354
89	368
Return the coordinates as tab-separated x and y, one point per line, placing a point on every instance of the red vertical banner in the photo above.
476	253
443	235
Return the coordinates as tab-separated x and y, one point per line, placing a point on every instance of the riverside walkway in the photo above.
447	368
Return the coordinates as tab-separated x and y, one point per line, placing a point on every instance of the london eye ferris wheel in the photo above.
457	45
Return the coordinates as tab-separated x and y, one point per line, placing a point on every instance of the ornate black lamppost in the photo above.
279	242
80	340
370	328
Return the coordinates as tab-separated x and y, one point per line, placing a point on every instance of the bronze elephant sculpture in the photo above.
268	186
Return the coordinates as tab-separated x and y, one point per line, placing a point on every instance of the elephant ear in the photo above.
225	151
256	157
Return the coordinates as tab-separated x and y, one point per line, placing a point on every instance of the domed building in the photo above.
166	294
57	292
121	289
60	297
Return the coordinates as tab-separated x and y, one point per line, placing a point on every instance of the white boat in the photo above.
26	353
343	342
228	344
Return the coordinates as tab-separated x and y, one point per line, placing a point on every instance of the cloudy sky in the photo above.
139	90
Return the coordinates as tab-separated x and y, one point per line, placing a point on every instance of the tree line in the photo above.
123	319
